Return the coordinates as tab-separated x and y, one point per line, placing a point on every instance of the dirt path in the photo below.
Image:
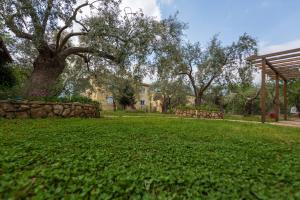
295	124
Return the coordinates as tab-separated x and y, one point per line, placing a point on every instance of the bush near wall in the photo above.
66	99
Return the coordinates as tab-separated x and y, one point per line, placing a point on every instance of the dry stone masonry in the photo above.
200	114
40	109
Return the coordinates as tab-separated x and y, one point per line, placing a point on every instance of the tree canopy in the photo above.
215	64
50	28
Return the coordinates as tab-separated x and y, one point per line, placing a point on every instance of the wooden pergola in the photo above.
283	65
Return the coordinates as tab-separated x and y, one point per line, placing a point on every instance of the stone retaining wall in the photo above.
40	109
200	114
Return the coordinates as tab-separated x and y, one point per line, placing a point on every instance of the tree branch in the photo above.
68	23
38	35
182	73
47	14
75	50
193	83
35	19
13	27
67	37
256	95
191	78
83	26
202	89
294	92
85	58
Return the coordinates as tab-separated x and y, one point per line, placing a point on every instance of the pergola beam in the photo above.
286	70
286	75
279	58
285	61
289	64
274	69
255	57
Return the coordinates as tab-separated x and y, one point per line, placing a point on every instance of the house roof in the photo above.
4	54
284	63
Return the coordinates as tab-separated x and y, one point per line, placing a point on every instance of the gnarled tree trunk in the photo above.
198	101
166	103
46	70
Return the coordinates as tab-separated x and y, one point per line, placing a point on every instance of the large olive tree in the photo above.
52	29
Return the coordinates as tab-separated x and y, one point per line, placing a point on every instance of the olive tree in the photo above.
50	29
170	92
215	64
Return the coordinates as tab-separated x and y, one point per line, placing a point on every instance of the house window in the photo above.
110	100
142	102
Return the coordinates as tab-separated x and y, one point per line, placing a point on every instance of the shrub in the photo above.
11	86
7	77
71	99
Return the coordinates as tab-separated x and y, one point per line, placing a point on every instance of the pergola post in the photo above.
263	91
277	102
285	101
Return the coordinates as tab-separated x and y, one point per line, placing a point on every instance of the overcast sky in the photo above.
275	23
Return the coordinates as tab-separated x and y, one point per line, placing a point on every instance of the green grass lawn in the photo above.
246	118
147	158
121	113
249	118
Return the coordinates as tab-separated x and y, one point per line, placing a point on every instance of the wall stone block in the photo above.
200	114
39	109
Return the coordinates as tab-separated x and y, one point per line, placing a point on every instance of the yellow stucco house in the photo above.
144	99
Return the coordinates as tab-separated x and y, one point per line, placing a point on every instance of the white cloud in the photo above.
267	48
167	2
149	7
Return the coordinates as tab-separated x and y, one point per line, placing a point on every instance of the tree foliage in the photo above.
7	77
76	78
125	94
19	75
242	100
216	64
294	93
50	29
170	92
